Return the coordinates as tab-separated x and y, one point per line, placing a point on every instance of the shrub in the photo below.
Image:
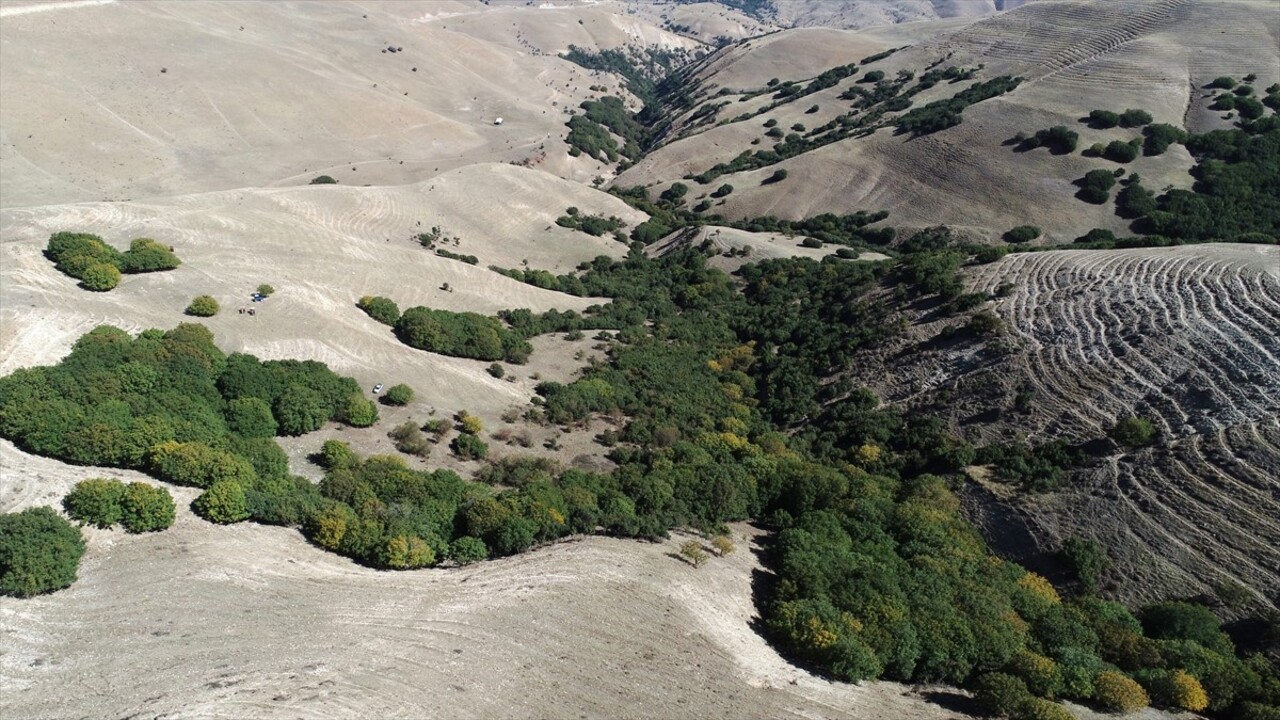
1087	560
467	549
1134	118
336	454
300	410
770	123
1222	83
469	423
810	242
398	395
359	411
1103	119
202	306
984	322
496	370
722	191
1022	233
99	277
1040	709
266	290
382	309
872	76
813	109
693	552
1186	621
146	255
39	552
95	502
775	132
409	439
1160	136
1098	235
223	503
323	180
146	508
1133	431
1115	691
776	177
469	447
1182	690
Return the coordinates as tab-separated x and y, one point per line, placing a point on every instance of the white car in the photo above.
377	388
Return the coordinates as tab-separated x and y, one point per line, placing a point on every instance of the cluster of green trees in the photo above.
39	552
942	114
138	507
596	225
590	132
465	334
174	405
1059	139
98	266
1131	118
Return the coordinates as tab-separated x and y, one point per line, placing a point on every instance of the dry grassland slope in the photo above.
1076	56
195	96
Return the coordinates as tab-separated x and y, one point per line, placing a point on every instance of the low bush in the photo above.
1115	691
95	502
202	306
382	309
469	447
398	395
1132	118
146	508
1022	233
1133	431
223	503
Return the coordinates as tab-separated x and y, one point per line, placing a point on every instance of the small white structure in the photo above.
498	121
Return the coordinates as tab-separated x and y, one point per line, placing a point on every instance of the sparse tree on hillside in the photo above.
693	552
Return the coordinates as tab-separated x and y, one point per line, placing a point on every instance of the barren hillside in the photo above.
195	96
1075	56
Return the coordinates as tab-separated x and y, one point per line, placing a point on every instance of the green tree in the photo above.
336	454
1087	560
1023	233
266	290
777	177
359	411
202	306
251	417
223	503
398	395
39	552
382	309
1133	431
469	447
95	501
1103	119
146	255
1115	691
466	550
146	508
300	410
100	277
1132	118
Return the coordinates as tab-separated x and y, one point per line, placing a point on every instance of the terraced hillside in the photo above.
1188	338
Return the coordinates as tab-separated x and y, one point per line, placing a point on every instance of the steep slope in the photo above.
1188	338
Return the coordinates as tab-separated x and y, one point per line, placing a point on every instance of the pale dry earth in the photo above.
194	96
1075	56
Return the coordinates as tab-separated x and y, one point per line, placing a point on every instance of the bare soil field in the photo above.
1187	337
251	621
1075	57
